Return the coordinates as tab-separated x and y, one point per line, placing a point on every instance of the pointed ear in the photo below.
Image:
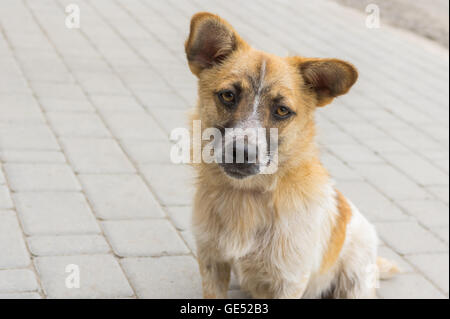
328	78
211	40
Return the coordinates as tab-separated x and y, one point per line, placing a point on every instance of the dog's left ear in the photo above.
328	78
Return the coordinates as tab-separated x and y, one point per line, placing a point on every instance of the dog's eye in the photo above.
227	97
282	112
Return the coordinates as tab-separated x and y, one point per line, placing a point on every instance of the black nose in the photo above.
242	154
244	162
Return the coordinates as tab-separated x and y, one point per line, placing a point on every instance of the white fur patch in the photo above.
251	125
262	74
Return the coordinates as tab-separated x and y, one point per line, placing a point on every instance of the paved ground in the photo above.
429	18
85	114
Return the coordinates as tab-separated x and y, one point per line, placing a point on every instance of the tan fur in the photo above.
285	234
214	273
387	268
338	233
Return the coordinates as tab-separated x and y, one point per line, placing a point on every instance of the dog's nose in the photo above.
243	154
244	162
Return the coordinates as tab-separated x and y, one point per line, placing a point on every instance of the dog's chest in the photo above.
253	226
244	220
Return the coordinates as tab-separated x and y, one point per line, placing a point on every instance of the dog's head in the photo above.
247	90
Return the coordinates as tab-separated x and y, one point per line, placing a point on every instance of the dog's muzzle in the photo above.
241	161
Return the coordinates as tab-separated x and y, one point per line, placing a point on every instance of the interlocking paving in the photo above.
85	118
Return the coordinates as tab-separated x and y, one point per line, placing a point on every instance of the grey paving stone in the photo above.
38	73
65	105
338	169
414	139
442	164
172	119
29	41
431	213
181	216
159	100
23	295
17	280
120	196
58	91
371	202
178	277
100	277
30	137
144	238
5	198
87	63
2	176
330	134
54	213
364	132
13	252
41	61
41	177
436	154
44	69
67	245
15	84
419	169
21	114
189	95
383	146
441	232
173	184
77	124
434	266
189	238
441	192
408	286
137	76
134	125
96	156
180	77
108	103
355	154
340	113
409	238
11	102
147	152
393	183
23	156
99	84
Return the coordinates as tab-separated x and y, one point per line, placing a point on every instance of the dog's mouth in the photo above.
240	171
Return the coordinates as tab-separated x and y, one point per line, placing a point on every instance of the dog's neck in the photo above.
303	178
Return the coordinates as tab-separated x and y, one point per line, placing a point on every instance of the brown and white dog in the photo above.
289	234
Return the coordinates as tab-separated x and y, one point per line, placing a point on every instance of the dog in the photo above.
291	233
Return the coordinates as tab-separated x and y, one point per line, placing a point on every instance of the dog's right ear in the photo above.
211	40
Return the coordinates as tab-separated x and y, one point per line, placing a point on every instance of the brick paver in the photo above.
85	118
12	243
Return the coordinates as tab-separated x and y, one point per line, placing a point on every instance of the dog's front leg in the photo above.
215	275
293	290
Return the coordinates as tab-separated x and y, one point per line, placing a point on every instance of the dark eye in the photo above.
282	112
227	98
